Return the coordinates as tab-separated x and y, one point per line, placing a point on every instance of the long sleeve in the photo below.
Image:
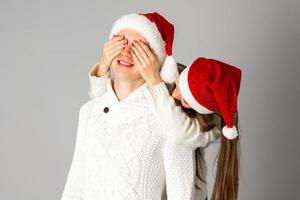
180	128
98	84
74	187
179	164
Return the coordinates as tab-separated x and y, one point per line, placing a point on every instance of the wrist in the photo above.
155	81
101	70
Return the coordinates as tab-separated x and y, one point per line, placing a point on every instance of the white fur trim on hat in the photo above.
188	96
169	71
230	133
143	25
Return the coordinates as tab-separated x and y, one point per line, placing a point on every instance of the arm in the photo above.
98	83
179	165
99	73
180	128
74	187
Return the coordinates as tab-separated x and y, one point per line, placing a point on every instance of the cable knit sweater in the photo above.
121	152
179	127
182	129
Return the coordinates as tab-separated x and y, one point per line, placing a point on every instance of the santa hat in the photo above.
209	86
159	33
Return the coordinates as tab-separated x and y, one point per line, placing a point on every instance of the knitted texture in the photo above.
179	128
121	152
98	84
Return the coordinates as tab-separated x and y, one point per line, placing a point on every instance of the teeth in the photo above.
124	63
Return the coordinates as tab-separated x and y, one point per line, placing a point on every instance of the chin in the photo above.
121	69
123	72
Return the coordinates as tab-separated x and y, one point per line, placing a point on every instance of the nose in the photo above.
176	94
127	51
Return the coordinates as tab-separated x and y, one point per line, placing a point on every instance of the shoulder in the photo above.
85	107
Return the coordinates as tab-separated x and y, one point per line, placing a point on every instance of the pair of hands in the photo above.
144	58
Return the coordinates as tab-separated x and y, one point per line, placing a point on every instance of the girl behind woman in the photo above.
211	88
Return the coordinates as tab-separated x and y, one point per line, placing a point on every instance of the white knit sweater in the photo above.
123	153
182	129
179	128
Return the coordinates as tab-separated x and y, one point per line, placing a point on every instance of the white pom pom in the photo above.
169	72
230	133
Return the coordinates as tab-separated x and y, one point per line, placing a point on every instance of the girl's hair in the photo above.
226	180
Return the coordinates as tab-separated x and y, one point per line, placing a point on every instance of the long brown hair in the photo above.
226	181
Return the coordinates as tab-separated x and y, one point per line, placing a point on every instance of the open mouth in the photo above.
125	64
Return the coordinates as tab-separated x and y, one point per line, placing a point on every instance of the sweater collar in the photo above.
127	110
132	97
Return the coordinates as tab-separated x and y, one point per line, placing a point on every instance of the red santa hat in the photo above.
209	86
159	33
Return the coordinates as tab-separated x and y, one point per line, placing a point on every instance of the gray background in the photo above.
47	48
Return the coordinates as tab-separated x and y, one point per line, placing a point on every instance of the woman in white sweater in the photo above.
121	149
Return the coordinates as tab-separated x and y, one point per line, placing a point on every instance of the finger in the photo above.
117	41
116	45
139	55
114	39
148	45
115	54
136	60
142	52
147	49
117	37
115	49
